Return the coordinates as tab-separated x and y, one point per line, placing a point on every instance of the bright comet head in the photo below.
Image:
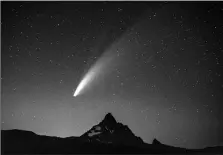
82	84
93	73
87	79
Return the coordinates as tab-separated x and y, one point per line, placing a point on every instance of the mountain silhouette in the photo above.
156	142
112	132
109	119
109	136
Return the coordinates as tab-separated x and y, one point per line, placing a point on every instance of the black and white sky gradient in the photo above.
164	79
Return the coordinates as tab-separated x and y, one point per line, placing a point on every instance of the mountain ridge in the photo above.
107	131
109	136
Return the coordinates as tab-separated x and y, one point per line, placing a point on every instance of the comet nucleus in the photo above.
95	72
88	78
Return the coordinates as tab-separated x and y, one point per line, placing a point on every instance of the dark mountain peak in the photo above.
109	115
111	131
156	142
109	119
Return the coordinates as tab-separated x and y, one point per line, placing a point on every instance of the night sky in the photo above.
159	68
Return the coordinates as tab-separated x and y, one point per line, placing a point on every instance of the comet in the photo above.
86	80
95	72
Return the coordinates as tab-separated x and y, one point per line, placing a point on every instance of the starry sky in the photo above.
163	78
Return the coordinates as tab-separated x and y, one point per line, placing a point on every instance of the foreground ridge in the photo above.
109	136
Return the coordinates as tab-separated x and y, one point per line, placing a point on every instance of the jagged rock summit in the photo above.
156	142
110	131
109	119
